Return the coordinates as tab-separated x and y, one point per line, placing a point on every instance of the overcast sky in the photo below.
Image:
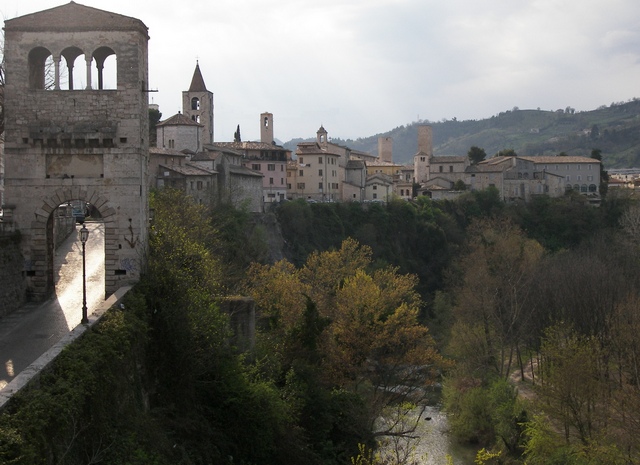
363	67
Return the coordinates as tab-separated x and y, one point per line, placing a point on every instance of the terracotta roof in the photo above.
75	17
206	156
189	170
165	151
551	160
355	165
197	82
448	159
244	171
378	162
248	145
210	148
178	120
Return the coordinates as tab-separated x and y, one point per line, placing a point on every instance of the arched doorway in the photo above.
65	271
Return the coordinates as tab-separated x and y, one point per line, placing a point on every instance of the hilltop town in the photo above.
258	173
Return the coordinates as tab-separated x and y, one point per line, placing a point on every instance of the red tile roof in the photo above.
179	120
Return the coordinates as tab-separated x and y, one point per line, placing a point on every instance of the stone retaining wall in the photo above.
13	287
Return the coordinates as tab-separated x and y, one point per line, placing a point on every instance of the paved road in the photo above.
30	331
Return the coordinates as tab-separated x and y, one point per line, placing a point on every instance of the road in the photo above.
30	331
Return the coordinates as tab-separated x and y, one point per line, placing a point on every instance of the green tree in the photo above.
494	289
371	332
476	155
604	174
506	153
154	119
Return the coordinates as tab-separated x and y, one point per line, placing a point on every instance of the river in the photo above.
434	443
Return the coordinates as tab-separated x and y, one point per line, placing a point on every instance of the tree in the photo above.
476	155
604	175
154	119
506	153
370	337
459	185
236	135
494	293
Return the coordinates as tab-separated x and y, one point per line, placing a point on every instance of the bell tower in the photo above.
266	128
197	104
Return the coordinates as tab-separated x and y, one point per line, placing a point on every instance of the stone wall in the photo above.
242	320
13	287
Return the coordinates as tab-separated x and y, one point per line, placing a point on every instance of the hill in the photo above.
614	129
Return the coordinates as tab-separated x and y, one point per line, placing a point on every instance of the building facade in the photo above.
81	138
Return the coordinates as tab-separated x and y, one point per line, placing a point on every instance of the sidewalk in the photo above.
29	332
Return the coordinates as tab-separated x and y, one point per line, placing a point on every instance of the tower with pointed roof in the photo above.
197	104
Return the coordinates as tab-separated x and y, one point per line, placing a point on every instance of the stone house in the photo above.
318	172
179	132
266	158
516	178
235	183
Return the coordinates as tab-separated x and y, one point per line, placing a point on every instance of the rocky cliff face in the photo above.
272	235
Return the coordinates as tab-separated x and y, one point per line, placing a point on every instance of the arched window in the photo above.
576	187
593	188
106	65
76	69
41	69
195	103
583	188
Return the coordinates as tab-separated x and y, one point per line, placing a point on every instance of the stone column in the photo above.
88	60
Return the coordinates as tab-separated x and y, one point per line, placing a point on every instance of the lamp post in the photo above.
84	235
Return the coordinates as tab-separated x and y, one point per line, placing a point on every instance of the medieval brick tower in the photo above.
421	160
197	104
73	136
266	128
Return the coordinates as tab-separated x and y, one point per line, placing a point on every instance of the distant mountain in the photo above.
613	129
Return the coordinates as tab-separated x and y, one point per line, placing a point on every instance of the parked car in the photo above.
78	215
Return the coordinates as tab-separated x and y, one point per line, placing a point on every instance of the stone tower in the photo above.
197	104
322	137
266	128
86	143
385	149
425	152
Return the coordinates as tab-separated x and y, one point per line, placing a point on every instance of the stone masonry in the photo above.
87	144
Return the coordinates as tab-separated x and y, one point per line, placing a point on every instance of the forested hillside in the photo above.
373	308
614	129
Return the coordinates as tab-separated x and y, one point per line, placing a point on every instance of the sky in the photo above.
363	67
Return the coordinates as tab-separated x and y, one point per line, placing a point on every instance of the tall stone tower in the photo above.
385	149
421	159
85	143
266	128
197	104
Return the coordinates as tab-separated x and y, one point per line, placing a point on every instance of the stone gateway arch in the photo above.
74	134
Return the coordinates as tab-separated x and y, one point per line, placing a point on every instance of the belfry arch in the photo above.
80	143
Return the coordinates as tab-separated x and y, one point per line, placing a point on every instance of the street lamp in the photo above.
84	235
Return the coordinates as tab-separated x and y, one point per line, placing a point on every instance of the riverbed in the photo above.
434	442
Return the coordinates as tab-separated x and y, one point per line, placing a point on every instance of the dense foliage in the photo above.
536	303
